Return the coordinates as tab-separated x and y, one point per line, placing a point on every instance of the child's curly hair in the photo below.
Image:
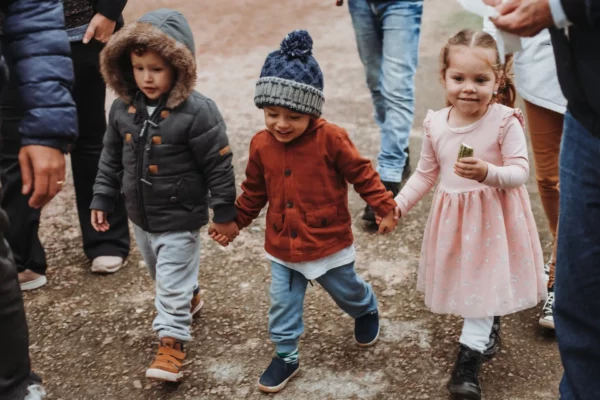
506	91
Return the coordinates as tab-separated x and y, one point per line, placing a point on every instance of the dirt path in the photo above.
91	335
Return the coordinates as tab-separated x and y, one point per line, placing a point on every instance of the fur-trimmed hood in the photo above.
164	31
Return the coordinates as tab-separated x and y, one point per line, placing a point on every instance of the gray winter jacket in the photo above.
167	163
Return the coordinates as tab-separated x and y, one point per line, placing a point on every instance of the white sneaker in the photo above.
107	264
547	317
29	280
35	392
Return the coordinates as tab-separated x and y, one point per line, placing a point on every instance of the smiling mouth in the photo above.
470	100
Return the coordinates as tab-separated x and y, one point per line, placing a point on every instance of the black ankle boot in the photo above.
464	382
369	213
407	171
393	187
493	346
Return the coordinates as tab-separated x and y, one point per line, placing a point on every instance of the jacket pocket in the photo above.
182	194
275	221
322	217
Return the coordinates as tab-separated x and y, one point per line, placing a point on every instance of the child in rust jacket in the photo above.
301	165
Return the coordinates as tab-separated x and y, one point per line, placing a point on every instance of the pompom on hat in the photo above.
291	77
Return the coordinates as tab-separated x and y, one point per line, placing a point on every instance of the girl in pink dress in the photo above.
481	256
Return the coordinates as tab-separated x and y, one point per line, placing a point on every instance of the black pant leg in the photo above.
15	368
89	95
22	235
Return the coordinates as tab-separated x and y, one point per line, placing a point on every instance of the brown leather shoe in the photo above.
30	280
168	361
197	304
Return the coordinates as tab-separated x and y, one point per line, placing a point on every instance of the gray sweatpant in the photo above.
173	260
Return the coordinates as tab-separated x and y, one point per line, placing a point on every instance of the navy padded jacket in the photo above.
35	43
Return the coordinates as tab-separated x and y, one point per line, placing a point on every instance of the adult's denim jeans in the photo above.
387	35
577	286
348	290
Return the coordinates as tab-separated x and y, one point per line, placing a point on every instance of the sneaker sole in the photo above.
162	375
34	284
106	270
371	343
197	309
278	388
546	324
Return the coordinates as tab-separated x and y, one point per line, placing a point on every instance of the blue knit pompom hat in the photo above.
291	77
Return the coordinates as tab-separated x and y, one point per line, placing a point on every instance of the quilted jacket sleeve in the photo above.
210	146
36	44
107	185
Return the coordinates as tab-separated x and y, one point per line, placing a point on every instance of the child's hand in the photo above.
388	223
221	239
223	233
471	168
99	221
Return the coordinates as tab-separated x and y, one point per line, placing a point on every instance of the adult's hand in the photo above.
100	28
522	17
43	171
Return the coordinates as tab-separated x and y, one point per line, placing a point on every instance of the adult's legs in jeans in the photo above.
22	235
387	36
89	94
369	40
401	26
578	263
545	129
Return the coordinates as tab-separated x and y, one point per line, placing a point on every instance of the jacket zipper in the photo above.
140	168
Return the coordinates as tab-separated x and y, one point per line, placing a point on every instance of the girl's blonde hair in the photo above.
506	90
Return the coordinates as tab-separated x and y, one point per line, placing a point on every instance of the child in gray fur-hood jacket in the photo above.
167	152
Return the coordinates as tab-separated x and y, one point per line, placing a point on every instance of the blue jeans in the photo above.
173	260
288	287
387	35
577	286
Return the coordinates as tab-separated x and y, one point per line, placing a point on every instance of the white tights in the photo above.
476	333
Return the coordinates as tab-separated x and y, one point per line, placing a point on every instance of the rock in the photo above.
137	384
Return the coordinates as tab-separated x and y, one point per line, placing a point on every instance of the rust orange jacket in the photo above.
305	183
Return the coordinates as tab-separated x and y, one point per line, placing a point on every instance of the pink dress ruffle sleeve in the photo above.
481	255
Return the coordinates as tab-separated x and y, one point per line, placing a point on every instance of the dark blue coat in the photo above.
35	43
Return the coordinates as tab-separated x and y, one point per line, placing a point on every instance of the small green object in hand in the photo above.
465	151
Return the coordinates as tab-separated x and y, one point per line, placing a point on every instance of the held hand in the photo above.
388	223
100	221
100	28
221	239
228	229
523	17
397	213
43	172
471	168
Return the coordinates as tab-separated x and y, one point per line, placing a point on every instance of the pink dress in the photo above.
481	255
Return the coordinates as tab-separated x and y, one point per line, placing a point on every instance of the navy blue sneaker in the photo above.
366	329
277	375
